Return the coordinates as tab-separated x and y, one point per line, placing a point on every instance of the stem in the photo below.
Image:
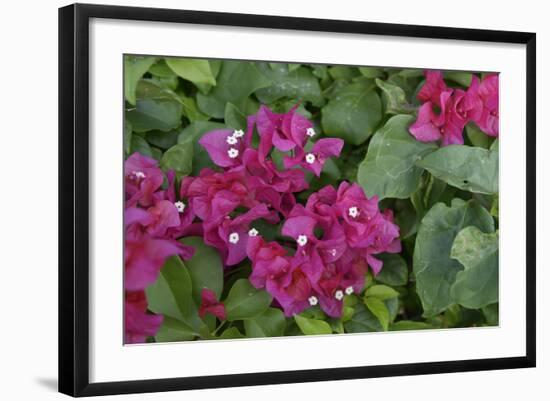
222	323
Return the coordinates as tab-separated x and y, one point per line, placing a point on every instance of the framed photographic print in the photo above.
290	200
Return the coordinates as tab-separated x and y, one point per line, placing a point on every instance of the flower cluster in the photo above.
336	236
153	219
250	186
479	103
330	244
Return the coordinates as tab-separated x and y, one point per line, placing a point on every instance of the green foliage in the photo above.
245	301
205	268
444	199
171	294
389	169
353	113
477	285
468	168
271	323
434	269
312	326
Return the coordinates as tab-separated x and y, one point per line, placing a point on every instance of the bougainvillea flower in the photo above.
447	126
157	220
284	131
315	159
467	105
144	257
269	260
213	194
432	88
226	146
209	304
231	236
142	178
138	324
489	117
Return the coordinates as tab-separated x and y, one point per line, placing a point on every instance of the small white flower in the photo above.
302	240
232	153
310	158
253	232
353	211
310	132
333	252
138	174
313	300
339	295
239	133
234	238
180	206
349	290
232	140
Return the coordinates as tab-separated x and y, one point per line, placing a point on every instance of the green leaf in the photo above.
362	321
191	134
382	292
297	84
271	323
205	268
140	145
156	109
433	267
161	70
245	301
174	330
477	136
171	295
196	71
462	78
394	270
230	334
234	118
389	169
179	158
312	326
491	314
378	308
396	98
371	72
352	114
468	168
410	325
236	81
477	285
134	68
127	137
162	140
190	109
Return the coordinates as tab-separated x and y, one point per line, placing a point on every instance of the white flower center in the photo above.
333	252
313	300
353	211
239	133
232	153
310	132
349	290
339	295
302	240
234	238
310	158
253	232
138	174
180	206
232	140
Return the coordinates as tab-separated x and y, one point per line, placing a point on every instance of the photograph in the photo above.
276	199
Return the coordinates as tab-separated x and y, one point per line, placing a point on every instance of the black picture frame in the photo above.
74	198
